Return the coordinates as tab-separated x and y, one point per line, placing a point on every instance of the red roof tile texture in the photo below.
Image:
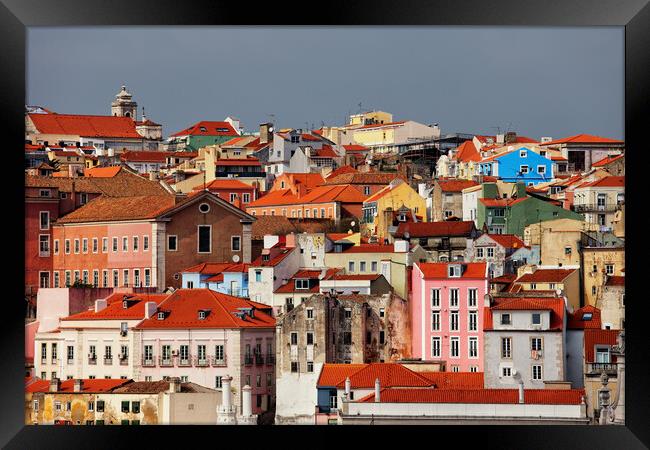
598	337
467	152
208	128
584	318
456	185
545	276
120	208
182	312
440	270
583	139
364	376
455	380
88	386
85	125
363	178
115	309
607	160
507	240
484	396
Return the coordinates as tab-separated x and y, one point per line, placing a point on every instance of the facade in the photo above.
598	263
448	198
199	135
518	165
600	200
443	241
227	278
612	303
447	313
497	250
390	137
582	150
233	191
563	278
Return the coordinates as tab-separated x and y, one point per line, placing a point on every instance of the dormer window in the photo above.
125	304
587	316
202	315
402	217
265	257
523	153
204	129
161	315
302	284
454	271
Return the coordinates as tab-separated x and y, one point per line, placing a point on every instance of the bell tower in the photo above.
124	106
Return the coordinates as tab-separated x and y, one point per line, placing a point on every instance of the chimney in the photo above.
150	309
487	300
266	133
247	404
78	385
174	385
377	390
100	304
55	385
291	240
348	385
226	395
153	176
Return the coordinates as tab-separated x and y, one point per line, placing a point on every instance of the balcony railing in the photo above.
239	292
165	361
598	368
259	360
185	362
70	361
148	362
124	361
594	207
92	360
201	362
108	361
43	360
270	360
248	360
218	362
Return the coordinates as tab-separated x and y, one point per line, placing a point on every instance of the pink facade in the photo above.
447	313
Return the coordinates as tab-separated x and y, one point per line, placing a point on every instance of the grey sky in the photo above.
537	81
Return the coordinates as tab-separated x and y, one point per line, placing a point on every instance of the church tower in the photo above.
124	106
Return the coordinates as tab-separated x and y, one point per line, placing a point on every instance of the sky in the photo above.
536	81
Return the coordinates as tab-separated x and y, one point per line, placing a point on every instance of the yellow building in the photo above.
382	209
533	231
566	280
558	240
391	261
371	117
598	262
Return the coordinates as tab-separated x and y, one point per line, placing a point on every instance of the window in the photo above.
125	244
537	372
533	285
454	271
435	347
523	169
171	243
104	245
136	277
490	252
350	266
347	313
373	266
382	312
366	190
44	193
609	269
453	321
310	338
602	355
454	348
479	252
201	352
91	406
294	338
148	353
100	407
537	319
593	290
347	338
258	276
218	382
473	347
76	246
523	153
472	296
96	278
85	277
453	298
116	278
44	220
310	366
67	246
235	243
125	277
506	371
322	213
473	321
536	344
310	313
56	279
506	347
499	212
204	238
382	336
145	243
505	319
246	197
76	276
44	279
125	408
294	366
114	244
435	298
135	243
219	352
541	170
362	266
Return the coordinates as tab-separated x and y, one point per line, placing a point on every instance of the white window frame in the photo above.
232	242
147	277
522	167
435	354
66	246
451	297
40	220
115	244
532	372
435	298
125	244
471	291
136	243
95	243
470	340
104	245
452	314
541	169
198	239
435	313
246	197
453	339
145	243
84	245
77	246
479	252
470	315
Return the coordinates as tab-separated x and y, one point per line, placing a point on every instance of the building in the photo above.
307	159
498	251
367	183
343	284
147	240
333	329
448	198
145	161
612	303
446	313
391	261
379	209
227	278
390	137
518	165
613	163
443	241
566	280
599	357
201	336
299	287
233	191
600	200
200	134
298	183
582	150
558	240
525	334
286	143
600	259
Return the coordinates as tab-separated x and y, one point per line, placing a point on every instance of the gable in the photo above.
213	200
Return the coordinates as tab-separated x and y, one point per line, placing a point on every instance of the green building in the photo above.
201	134
512	215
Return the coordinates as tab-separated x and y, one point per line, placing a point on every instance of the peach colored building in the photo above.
447	313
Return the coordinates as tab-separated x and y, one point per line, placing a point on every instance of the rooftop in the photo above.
85	125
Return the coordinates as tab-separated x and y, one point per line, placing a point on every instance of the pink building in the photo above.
447	313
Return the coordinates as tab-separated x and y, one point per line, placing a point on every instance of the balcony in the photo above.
108	361
148	362
201	362
259	360
70	361
594	207
595	369
55	361
92	360
270	360
240	292
218	362
184	361
124	361
248	360
165	361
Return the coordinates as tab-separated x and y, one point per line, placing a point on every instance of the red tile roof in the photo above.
381	193
370	277
507	240
476	270
369	248
607	160
363	178
610	181
326	151
87	386
379	125
503	202
339	193
615	281
212	128
455	380
274	261
182	307
545	276
222	183
467	152
355	148
484	396
113	209
364	376
290	286
583	139
85	125
207	268
102	172
341	170
598	337
277	197
576	321
145	156
115	309
333	374
553	304
434	229
249	161
456	185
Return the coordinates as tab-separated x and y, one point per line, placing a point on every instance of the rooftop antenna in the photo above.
360	110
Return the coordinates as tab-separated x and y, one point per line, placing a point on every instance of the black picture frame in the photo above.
16	15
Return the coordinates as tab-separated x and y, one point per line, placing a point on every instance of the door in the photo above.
234	288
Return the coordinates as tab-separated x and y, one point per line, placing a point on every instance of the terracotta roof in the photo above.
145	156
525	140
545	276
88	385
156	387
113	209
277	197
338	236
211	129
507	278
115	310
274	261
85	125
507	240
355	148
326	151
369	248
583	139
305	275
249	161
363	178
467	152
455	380
553	304
607	160
433	229
341	170
503	202
484	396
310	180
439	270
610	181
381	193
102	172
333	374
370	277
381	125
615	281
598	337
275	225
578	321
224	183
207	268
389	374
182	307
456	185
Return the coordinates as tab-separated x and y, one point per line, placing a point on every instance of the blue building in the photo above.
520	165
227	278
